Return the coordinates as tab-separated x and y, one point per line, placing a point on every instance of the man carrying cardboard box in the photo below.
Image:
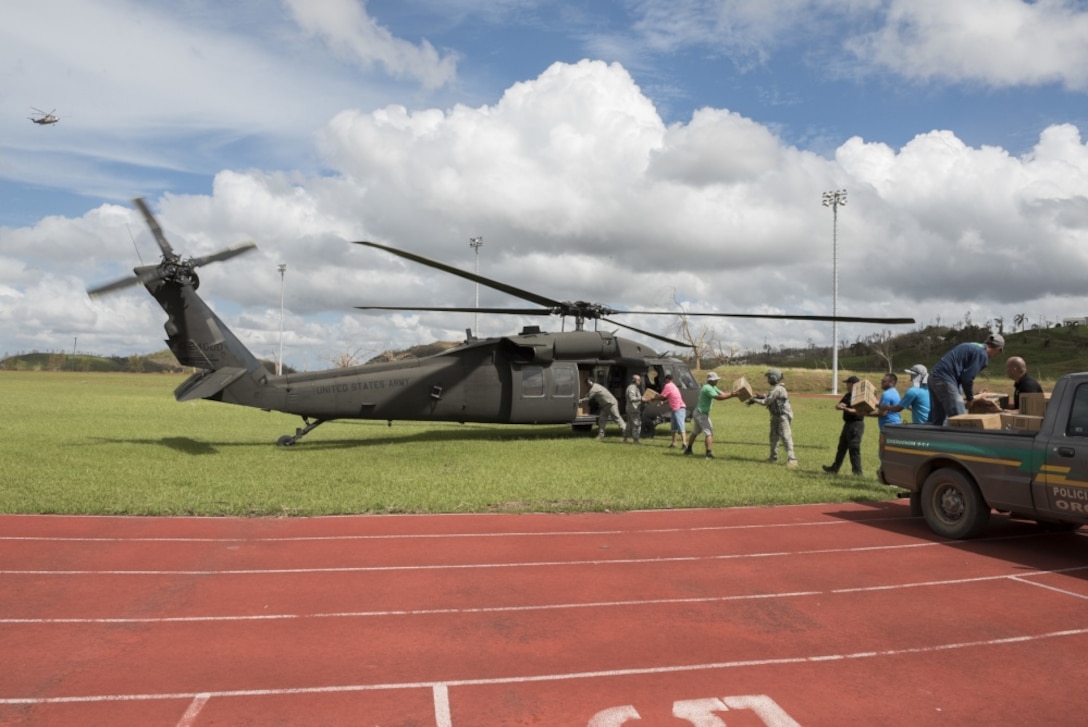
701	416
853	427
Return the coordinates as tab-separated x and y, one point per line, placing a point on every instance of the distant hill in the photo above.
421	351
155	363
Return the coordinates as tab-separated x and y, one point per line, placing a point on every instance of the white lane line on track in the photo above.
440	536
1022	578
471	566
442	716
534	678
1019	577
526	564
189	718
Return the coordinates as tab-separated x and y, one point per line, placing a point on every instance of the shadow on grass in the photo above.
501	433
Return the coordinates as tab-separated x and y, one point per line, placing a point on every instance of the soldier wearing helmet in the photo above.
777	401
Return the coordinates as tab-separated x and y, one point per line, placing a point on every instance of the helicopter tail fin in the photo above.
197	337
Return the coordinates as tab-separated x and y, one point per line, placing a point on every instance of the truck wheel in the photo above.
953	506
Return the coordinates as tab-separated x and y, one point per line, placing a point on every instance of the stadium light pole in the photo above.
834	200
279	363
476	243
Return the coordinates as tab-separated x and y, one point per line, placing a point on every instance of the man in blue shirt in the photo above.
888	399
957	369
916	400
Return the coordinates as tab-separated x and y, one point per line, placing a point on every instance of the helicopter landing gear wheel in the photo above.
288	440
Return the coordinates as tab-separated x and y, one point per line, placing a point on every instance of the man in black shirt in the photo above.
1017	370
853	427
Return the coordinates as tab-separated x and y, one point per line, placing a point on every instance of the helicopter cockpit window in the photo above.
681	376
564	381
532	382
1078	418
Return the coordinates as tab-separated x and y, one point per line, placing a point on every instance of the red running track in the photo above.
811	615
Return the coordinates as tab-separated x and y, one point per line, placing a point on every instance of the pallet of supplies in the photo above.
976	421
1021	422
742	389
1034	404
863	397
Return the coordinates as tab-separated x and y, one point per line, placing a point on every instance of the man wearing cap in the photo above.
957	370
1017	370
916	398
853	427
707	395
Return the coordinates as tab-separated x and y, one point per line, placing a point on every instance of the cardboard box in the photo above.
648	396
988	404
863	397
1021	422
1034	404
976	421
742	389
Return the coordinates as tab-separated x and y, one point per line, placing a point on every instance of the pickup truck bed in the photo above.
957	476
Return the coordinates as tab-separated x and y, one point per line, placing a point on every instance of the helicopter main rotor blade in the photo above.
773	316
154	225
658	336
226	254
142	275
441	309
115	285
494	284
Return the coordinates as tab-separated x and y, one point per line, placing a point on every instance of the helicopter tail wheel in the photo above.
288	440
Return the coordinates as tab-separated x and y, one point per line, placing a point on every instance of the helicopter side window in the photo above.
681	375
532	382
564	381
1078	419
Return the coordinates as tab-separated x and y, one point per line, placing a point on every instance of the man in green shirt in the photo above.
701	416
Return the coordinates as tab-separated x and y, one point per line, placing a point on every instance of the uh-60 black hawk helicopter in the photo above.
533	377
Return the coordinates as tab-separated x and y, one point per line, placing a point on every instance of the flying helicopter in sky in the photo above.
532	377
44	119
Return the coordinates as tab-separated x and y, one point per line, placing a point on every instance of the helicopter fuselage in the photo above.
534	377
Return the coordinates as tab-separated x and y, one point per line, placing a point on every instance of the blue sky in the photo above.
643	154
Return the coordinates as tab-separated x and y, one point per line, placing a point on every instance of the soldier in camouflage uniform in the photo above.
607	406
777	401
633	395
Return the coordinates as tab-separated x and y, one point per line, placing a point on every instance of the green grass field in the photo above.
120	444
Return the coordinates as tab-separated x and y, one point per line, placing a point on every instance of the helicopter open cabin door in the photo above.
544	394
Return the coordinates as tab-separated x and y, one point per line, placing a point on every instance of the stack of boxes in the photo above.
1030	416
1028	419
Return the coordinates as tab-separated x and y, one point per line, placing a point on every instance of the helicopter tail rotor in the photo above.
173	268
